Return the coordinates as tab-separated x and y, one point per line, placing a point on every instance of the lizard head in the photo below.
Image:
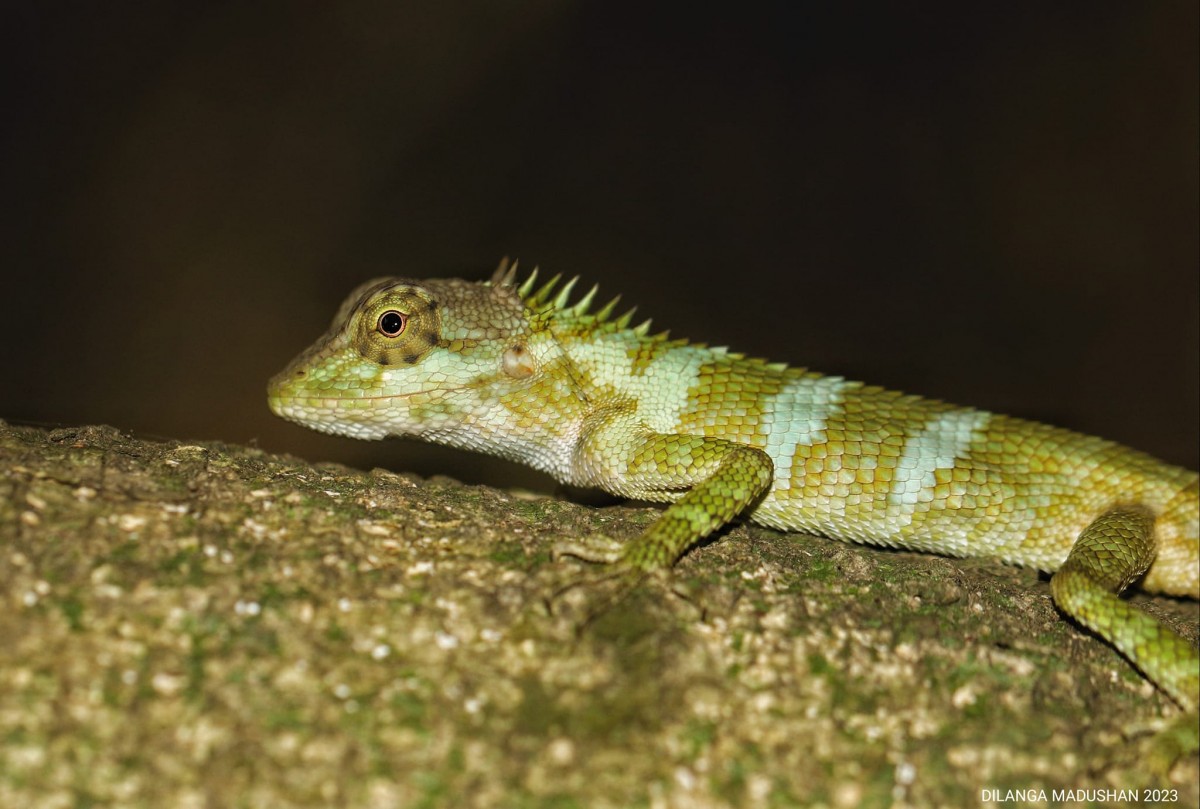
406	357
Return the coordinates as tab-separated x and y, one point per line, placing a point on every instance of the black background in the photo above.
992	204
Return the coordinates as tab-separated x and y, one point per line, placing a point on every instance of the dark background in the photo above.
992	205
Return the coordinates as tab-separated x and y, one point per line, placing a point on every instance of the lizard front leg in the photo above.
710	480
1110	553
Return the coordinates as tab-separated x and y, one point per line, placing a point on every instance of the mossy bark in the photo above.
211	625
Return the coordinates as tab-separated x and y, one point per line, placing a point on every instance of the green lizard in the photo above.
521	372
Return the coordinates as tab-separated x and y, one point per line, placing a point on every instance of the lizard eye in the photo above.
397	326
392	323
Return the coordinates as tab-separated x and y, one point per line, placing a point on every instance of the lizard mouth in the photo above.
280	396
342	412
327	414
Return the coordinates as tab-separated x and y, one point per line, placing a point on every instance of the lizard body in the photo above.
526	374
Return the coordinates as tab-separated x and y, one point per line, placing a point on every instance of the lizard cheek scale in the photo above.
520	371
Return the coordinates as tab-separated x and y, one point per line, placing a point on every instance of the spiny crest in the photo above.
547	303
539	300
505	274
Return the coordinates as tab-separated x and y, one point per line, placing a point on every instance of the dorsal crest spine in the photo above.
546	302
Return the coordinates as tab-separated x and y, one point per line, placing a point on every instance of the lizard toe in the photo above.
600	549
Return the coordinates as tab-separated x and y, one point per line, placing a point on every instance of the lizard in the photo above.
524	372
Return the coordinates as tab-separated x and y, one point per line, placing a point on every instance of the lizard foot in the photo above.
1177	740
1154	746
594	592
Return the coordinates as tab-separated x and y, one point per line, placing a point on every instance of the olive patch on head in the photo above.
397	326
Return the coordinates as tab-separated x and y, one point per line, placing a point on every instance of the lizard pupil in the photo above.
392	323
